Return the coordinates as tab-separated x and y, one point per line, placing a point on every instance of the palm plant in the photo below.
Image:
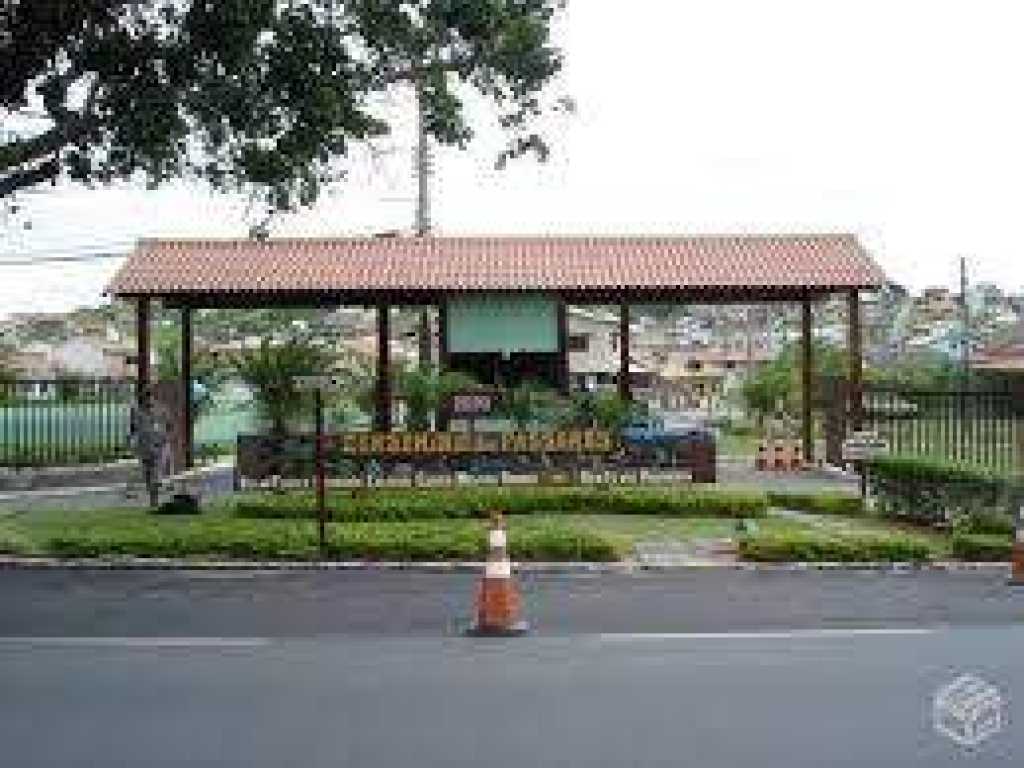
425	390
529	402
270	372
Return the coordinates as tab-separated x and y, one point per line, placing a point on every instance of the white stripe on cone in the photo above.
498	569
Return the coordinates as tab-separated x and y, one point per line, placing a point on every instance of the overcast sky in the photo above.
898	121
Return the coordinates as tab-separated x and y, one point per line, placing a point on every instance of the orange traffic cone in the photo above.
1017	553
498	607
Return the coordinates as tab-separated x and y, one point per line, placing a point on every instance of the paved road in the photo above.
366	669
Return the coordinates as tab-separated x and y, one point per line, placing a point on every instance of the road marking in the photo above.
140	642
791	634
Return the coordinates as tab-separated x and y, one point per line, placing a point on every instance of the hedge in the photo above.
439	503
297	539
817	546
824	503
932	491
982	547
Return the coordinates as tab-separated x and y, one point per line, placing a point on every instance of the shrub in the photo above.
292	539
981	547
816	546
826	503
416	504
930	491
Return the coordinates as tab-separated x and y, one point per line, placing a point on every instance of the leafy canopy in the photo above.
265	96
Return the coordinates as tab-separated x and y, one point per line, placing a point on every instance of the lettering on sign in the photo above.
425	443
471	405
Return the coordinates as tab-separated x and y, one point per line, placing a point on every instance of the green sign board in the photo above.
503	323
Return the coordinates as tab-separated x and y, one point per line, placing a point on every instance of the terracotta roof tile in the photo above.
168	267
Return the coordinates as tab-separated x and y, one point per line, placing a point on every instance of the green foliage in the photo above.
209	370
425	391
822	503
270	371
822	546
925	370
604	410
780	380
120	534
437	503
260	95
528	403
982	547
931	491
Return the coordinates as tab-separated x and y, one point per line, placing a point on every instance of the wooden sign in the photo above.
383	444
471	404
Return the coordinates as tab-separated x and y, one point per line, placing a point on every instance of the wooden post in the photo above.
142	393
807	381
186	385
625	390
382	399
444	412
856	352
442	336
563	348
144	396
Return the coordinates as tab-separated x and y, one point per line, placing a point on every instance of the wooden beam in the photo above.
186	386
625	390
382	398
856	351
807	381
563	348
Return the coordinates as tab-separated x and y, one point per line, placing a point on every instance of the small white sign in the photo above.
968	710
861	446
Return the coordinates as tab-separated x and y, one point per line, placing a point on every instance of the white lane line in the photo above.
139	642
791	634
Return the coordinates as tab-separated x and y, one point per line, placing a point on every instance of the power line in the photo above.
83	257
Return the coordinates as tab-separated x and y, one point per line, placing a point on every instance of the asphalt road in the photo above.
367	669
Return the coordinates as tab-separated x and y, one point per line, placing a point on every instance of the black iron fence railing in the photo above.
979	427
64	421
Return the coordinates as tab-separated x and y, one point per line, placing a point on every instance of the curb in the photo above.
464	566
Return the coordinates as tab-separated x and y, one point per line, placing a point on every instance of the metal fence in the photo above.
53	422
980	427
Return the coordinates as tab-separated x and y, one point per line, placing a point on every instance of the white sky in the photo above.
899	121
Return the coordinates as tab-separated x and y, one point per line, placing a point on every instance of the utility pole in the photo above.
424	169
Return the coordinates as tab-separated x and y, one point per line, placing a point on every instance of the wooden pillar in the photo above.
625	390
424	357
144	393
563	348
445	412
856	352
186	385
442	336
382	398
807	382
142	385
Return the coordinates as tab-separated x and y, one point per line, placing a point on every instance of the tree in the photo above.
425	391
779	382
266	96
208	371
270	372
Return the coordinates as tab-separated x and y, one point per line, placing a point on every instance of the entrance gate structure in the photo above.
501	301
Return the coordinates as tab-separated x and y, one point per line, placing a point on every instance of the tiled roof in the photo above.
159	267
